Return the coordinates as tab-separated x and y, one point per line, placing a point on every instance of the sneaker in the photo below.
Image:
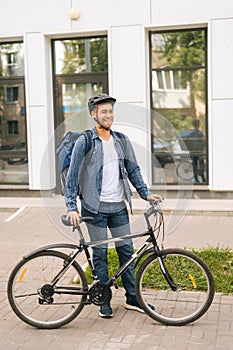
105	311
135	306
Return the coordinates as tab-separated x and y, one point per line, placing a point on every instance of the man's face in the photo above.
104	114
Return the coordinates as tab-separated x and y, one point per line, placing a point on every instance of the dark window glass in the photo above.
12	127
178	72
12	94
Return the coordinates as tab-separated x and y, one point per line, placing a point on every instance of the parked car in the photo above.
19	158
163	152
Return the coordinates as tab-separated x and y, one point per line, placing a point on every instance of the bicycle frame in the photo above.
46	277
83	246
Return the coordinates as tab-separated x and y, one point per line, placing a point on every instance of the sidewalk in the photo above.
32	227
194	223
192	206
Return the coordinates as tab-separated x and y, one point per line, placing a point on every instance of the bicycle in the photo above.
48	288
185	168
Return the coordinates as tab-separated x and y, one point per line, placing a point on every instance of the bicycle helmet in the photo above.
99	99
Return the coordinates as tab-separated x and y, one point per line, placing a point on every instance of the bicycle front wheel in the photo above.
35	301
194	287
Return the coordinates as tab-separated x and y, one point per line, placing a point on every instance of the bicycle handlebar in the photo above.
153	208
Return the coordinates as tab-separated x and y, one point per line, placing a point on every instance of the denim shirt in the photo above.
85	174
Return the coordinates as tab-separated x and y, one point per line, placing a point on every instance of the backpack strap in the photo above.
88	138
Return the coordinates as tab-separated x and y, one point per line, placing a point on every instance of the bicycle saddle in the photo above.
67	222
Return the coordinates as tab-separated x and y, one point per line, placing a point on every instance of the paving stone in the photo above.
126	330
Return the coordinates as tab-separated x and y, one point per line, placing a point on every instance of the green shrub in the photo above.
220	262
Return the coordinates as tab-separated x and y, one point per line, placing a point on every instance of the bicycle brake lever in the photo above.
156	202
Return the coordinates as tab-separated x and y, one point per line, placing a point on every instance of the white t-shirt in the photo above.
112	186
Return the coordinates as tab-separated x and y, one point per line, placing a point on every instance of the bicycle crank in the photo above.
100	294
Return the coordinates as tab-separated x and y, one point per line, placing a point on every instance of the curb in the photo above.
169	206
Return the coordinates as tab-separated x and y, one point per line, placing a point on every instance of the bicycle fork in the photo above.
165	273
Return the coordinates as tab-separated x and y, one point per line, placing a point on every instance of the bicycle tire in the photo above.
30	274
189	302
184	170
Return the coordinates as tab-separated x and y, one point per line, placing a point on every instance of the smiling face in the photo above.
104	114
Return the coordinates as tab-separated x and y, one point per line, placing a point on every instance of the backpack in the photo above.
64	151
194	141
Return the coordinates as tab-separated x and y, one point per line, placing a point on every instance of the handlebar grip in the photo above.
67	222
153	208
153	203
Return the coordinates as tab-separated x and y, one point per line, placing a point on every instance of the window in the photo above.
80	67
81	55
81	70
13	133
11	59
12	94
178	96
12	127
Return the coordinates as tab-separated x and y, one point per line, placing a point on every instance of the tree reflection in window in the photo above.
81	55
179	60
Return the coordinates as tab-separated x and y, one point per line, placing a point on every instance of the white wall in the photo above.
167	12
38	82
126	23
53	15
221	104
128	79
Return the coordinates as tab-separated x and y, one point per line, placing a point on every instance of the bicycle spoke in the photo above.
194	292
37	302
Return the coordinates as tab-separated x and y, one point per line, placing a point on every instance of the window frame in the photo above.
14	125
84	77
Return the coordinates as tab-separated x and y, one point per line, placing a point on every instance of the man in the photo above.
100	178
197	151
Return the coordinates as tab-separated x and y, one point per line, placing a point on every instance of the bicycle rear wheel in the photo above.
195	287
184	170
33	275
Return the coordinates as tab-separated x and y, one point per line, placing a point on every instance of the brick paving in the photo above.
32	228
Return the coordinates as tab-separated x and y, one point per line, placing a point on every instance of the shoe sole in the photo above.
105	315
133	308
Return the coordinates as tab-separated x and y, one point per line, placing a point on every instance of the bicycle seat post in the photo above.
78	228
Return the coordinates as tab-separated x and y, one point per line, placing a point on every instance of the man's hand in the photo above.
154	197
74	218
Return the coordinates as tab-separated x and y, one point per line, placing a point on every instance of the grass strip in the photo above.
219	260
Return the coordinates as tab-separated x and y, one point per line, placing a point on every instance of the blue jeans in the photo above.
195	160
115	217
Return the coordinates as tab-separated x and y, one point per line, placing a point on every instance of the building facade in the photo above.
167	63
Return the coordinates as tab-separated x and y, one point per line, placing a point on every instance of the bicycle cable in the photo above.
159	225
